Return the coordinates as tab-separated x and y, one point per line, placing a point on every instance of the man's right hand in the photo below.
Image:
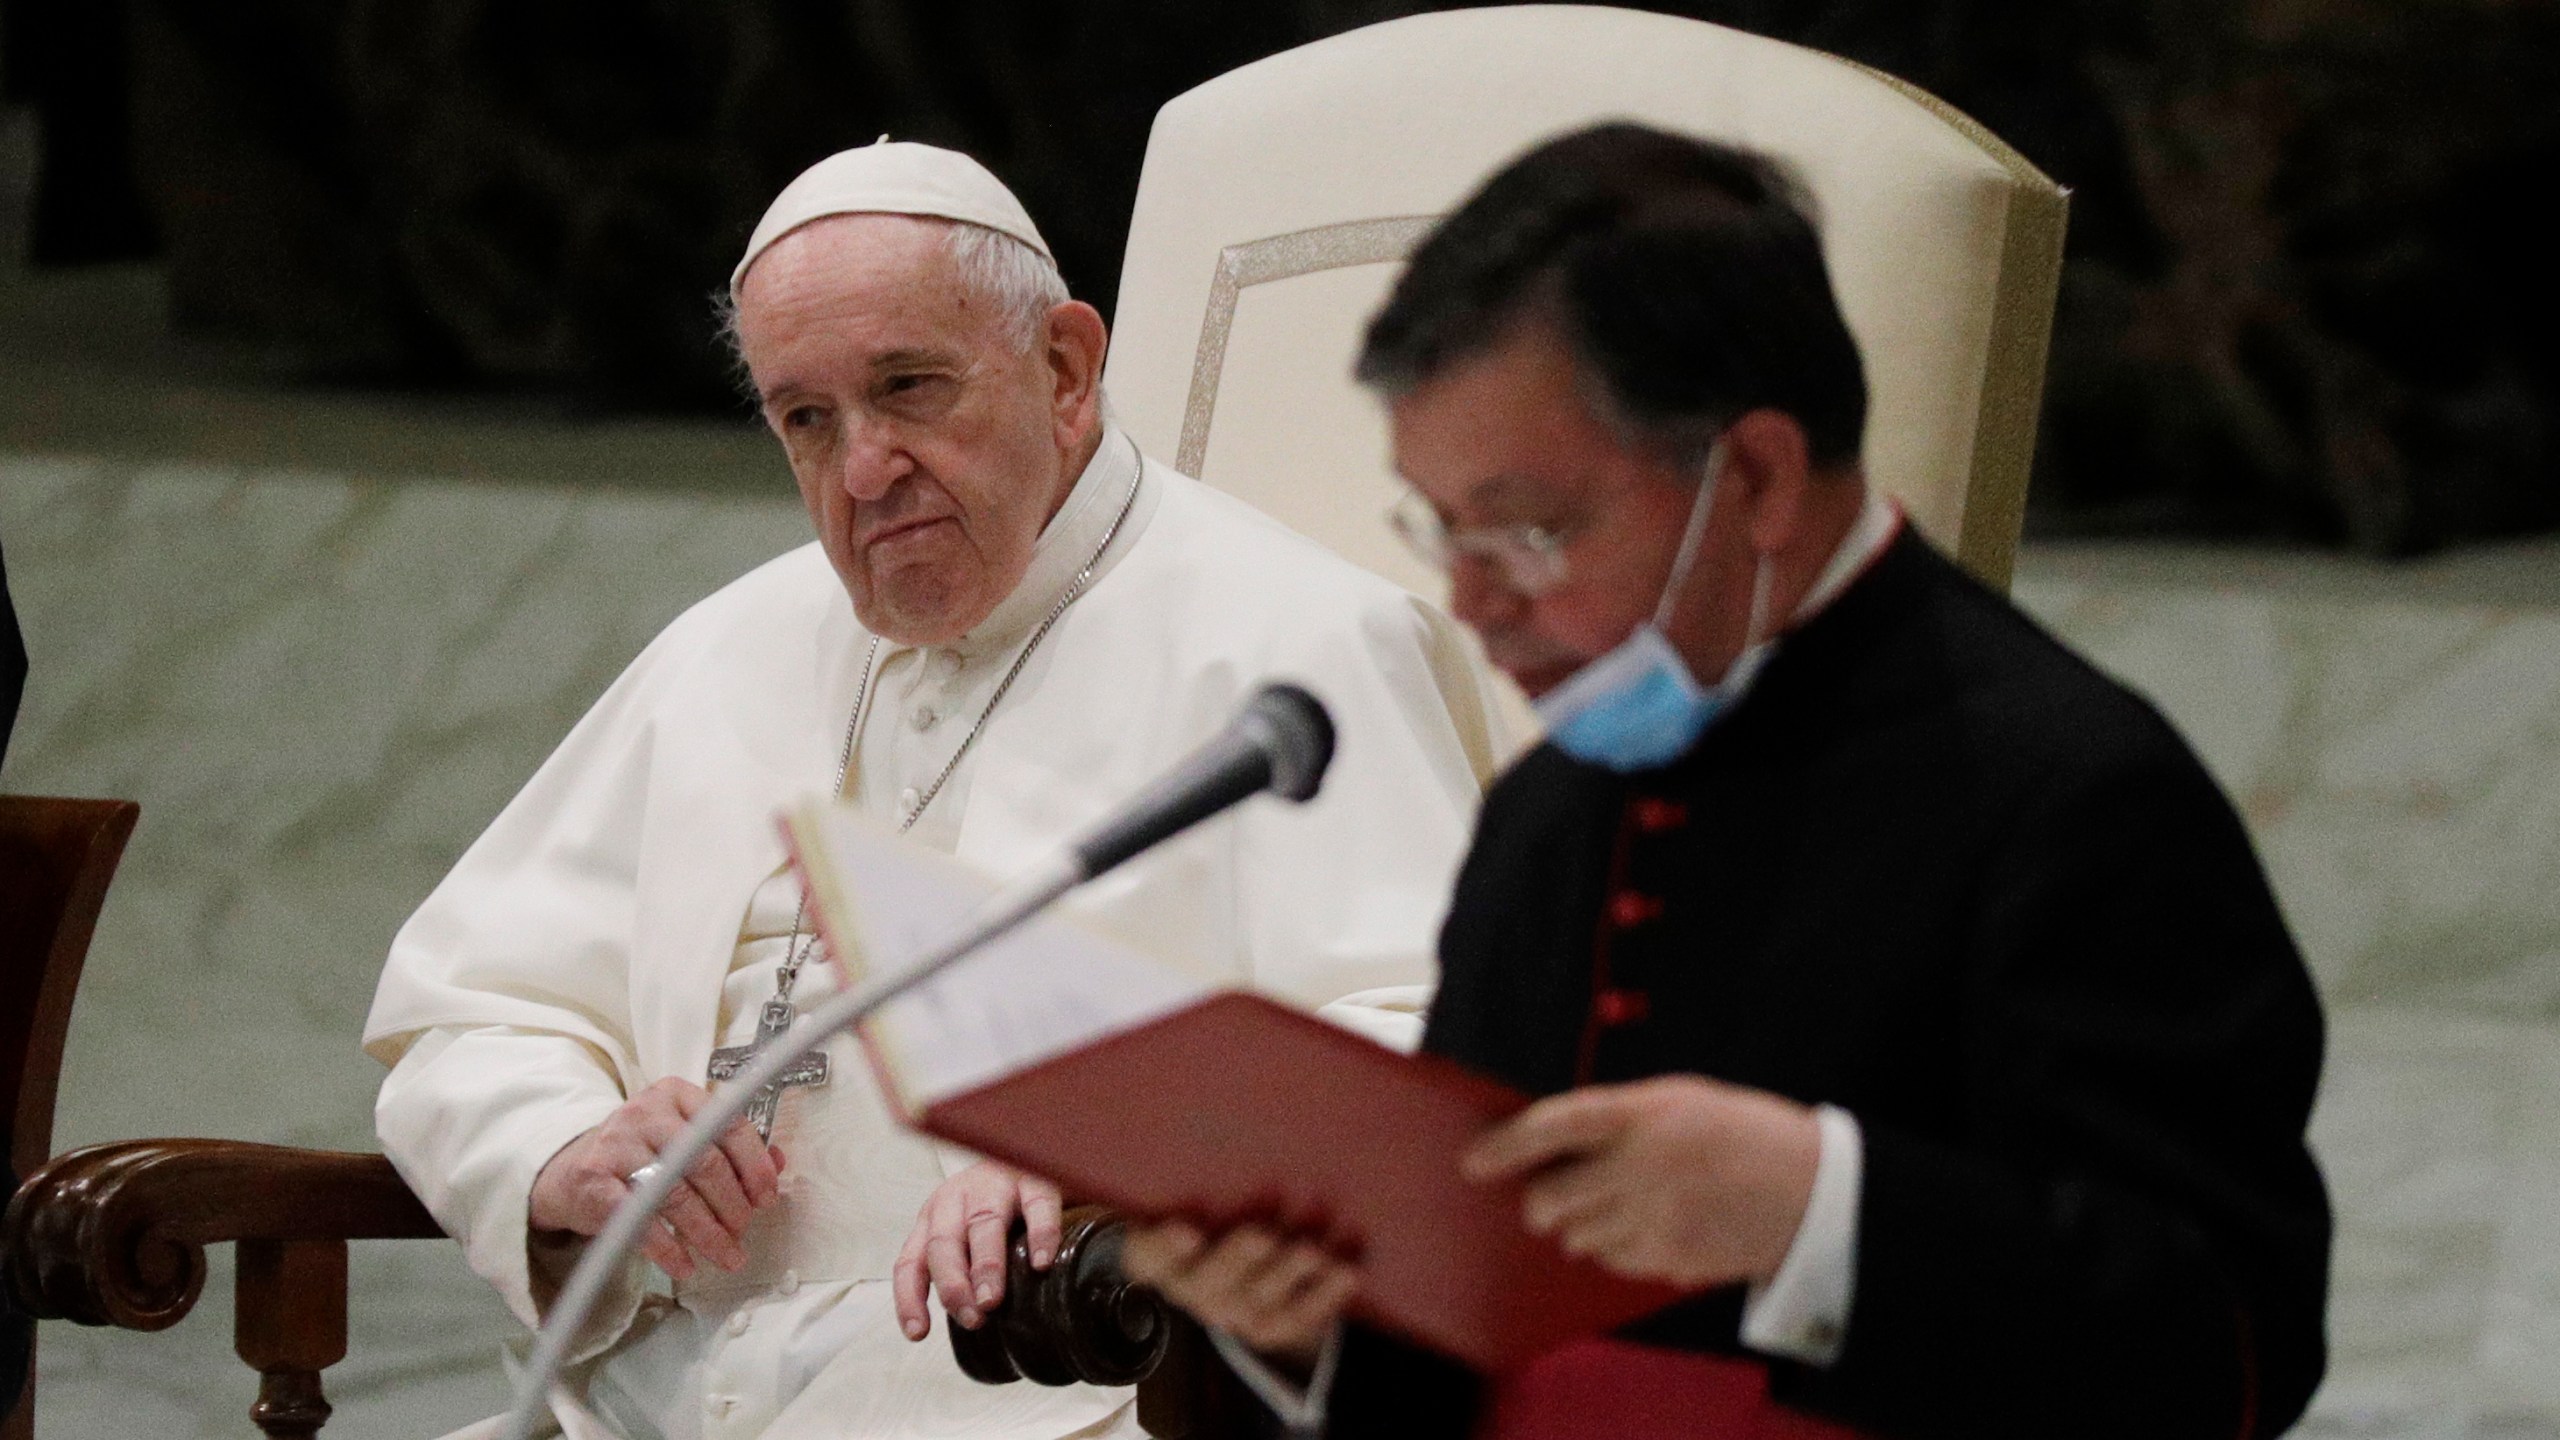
705	1219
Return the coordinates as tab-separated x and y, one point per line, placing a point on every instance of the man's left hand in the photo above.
960	1243
1678	1178
1279	1292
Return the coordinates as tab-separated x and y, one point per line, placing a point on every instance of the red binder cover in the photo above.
1611	1390
1236	1106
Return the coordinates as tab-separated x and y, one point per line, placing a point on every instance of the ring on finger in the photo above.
643	1174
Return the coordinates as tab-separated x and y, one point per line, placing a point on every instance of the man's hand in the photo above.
959	1242
1274	1292
1678	1178
704	1219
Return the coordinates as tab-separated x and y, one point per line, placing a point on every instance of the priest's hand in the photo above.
1678	1178
704	1219
959	1241
1278	1293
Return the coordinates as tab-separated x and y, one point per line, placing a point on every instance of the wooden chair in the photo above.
56	857
115	1234
1278	200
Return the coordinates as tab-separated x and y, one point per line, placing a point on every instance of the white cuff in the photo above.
1301	1409
1389	1014
1803	1312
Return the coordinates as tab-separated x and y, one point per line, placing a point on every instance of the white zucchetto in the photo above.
892	177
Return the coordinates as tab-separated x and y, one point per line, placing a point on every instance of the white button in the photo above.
947	661
908	799
739	1320
923	717
790	1282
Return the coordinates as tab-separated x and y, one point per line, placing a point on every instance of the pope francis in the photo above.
1010	620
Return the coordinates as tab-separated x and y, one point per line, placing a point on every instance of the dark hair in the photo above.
1686	275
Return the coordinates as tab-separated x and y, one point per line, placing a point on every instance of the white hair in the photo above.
1019	283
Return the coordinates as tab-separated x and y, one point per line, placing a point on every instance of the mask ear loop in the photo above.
1758	629
1692	536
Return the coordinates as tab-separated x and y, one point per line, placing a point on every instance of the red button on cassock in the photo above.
1654	814
1628	909
1621	1007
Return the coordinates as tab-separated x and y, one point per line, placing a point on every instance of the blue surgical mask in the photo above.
1638	707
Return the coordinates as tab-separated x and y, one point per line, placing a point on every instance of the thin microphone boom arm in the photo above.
1282	741
639	1209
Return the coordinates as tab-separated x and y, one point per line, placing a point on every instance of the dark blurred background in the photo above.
2305	298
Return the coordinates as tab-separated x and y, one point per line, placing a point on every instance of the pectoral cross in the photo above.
809	1070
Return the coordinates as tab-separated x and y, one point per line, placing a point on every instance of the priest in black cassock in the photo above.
1897	983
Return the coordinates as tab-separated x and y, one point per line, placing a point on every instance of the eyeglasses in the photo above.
1530	557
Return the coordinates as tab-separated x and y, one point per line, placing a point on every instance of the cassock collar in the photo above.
1879	520
1868	539
1064	546
1867	648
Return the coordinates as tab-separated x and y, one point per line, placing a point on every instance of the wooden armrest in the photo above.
1078	1322
1081	1321
115	1234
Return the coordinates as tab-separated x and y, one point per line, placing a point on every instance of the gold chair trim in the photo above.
1276	257
2004	439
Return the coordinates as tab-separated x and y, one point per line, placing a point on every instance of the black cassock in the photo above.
1940	872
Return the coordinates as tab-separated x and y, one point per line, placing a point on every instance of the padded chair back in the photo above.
56	857
1277	201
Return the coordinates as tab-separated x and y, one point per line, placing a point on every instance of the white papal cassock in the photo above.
627	912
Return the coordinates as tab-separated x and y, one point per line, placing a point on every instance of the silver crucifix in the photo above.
809	1071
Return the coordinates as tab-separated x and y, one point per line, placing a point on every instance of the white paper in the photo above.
1047	988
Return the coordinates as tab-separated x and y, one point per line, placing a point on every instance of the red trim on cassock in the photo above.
2248	1374
1594	1021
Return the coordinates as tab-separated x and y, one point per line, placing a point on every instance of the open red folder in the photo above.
1128	1082
1238	1106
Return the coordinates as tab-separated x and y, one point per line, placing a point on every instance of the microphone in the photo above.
1281	741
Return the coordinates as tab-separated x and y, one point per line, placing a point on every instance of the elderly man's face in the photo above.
1507	438
929	447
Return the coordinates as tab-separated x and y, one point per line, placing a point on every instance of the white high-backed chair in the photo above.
1278	200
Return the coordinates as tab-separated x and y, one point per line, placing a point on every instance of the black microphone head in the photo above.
1296	733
